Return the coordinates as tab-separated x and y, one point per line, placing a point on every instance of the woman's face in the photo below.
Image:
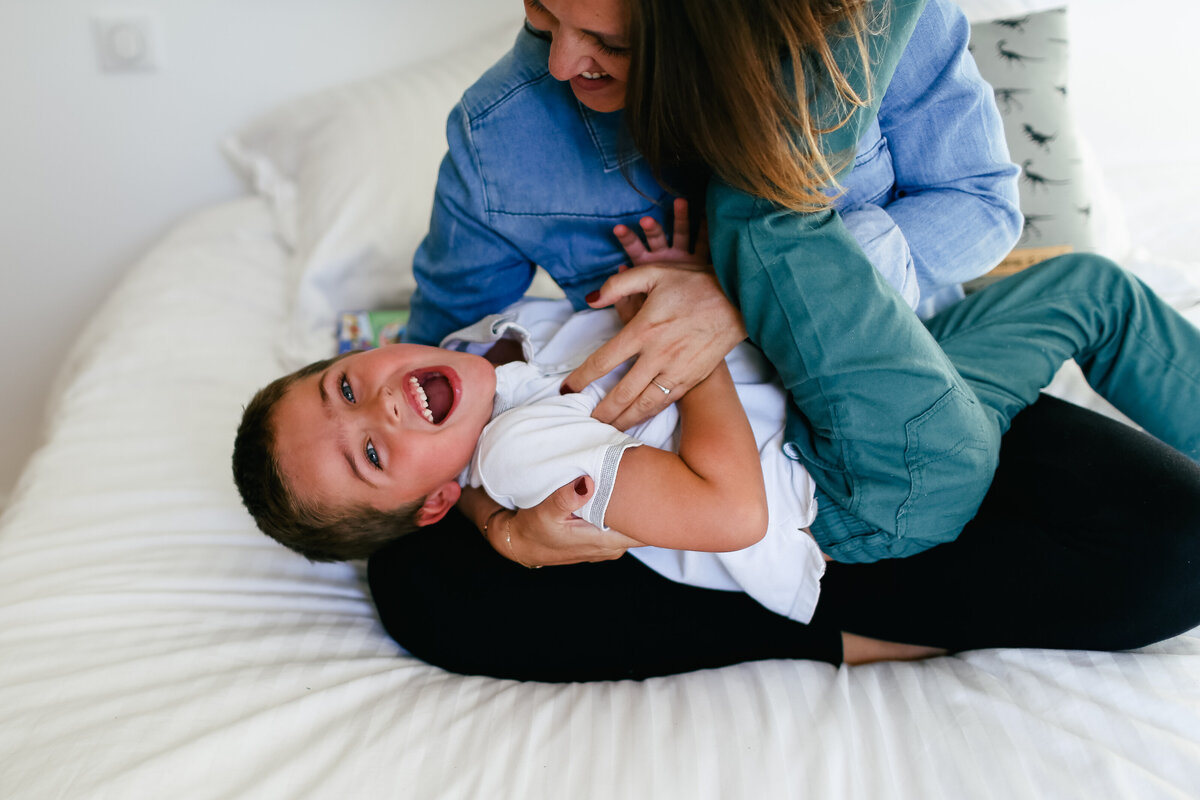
589	47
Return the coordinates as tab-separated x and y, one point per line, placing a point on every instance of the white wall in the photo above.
94	166
1138	102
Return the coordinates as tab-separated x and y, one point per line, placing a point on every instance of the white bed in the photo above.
154	644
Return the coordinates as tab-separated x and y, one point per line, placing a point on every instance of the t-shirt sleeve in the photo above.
527	453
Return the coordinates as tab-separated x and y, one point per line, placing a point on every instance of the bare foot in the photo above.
862	650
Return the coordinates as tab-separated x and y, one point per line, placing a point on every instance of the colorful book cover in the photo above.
362	330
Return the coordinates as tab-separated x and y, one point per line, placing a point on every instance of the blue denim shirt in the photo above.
534	177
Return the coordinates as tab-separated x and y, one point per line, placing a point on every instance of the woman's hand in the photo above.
550	534
679	331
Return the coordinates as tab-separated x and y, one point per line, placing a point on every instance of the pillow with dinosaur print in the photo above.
1025	59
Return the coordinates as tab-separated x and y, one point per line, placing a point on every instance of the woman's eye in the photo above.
373	456
608	50
347	392
535	10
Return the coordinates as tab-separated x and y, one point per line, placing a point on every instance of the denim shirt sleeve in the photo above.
464	268
955	194
885	247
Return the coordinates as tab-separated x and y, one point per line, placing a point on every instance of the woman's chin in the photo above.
604	99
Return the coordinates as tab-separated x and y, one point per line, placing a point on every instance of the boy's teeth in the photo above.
420	393
593	75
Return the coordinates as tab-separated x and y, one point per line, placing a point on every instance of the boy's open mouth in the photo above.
433	393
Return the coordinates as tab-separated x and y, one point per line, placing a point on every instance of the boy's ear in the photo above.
438	502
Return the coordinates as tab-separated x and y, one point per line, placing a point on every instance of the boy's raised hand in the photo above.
656	249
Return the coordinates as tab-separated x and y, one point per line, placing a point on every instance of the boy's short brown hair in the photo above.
321	534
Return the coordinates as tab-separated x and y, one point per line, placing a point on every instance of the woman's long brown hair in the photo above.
728	86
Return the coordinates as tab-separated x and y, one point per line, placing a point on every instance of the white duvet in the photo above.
154	645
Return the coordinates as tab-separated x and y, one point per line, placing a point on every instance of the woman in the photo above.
574	179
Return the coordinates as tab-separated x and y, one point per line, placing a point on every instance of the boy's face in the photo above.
384	427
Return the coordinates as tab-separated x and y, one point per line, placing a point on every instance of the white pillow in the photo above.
351	173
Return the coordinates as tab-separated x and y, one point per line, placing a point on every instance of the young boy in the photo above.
347	454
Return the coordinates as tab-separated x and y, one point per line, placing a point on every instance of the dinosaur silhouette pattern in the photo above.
1036	179
1030	228
1012	24
1012	56
1007	99
1042	140
1025	58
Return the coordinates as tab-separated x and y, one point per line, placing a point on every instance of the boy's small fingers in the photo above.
681	221
702	240
656	237
630	242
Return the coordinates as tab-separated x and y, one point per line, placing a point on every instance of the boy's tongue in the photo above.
439	394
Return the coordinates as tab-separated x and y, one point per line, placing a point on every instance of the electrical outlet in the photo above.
126	43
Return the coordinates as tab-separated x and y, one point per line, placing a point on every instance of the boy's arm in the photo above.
710	496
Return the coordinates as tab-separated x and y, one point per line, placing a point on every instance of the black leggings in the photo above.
1089	538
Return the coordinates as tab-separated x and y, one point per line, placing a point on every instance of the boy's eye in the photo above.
347	392
373	456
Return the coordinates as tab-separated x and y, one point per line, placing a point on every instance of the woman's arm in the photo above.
887	427
955	193
464	269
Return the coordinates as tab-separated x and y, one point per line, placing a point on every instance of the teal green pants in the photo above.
1140	354
902	439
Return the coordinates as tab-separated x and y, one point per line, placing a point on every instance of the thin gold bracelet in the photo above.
508	541
491	517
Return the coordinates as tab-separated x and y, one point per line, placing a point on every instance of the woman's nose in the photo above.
568	57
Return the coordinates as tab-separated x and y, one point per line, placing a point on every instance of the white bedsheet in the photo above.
154	644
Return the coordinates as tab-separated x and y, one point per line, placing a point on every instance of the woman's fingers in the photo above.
550	533
684	328
649	398
636	396
602	361
626	283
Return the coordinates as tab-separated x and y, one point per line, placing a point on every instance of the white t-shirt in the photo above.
539	440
